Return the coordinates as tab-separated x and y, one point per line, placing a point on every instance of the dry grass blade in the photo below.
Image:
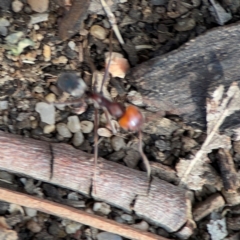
218	108
112	21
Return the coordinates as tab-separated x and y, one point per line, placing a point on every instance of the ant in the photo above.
129	118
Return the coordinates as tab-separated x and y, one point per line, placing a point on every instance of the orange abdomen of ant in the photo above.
132	119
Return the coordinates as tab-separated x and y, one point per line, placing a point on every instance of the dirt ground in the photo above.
33	56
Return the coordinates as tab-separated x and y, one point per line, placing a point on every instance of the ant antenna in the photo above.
106	73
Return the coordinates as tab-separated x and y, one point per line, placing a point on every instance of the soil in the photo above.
28	75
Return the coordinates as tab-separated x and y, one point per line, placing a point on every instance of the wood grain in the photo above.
120	186
179	82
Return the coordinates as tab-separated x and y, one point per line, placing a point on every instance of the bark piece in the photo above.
118	185
204	208
75	215
26	156
78	171
228	171
179	82
71	23
130	184
160	208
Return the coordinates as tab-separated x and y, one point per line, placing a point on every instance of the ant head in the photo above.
69	82
132	119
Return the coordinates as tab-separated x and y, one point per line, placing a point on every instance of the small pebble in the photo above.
117	143
142	226
39	6
78	139
33	226
87	126
3	105
72	45
49	129
38	18
4	22
38	89
17	6
63	130
132	158
102	208
46	111
98	32
30	212
127	217
108	236
74	124
51	97
104	132
72	227
185	24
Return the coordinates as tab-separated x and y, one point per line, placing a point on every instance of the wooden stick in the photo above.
75	215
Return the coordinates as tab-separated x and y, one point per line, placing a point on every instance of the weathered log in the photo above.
61	164
179	82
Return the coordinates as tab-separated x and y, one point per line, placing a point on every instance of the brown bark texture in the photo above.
179	82
156	201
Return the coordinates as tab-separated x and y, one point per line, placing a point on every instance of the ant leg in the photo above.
145	160
95	148
109	121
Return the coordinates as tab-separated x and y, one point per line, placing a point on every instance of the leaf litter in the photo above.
196	172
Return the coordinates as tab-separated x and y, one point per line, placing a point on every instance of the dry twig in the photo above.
75	215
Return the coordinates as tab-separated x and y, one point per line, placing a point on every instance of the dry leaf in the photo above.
202	173
118	65
218	108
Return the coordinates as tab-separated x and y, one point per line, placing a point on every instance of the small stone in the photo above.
117	143
185	24
163	145
116	156
49	129
158	2
78	139
47	53
3	105
142	226
46	111
4	22
86	126
51	97
72	45
127	217
98	32
38	89
102	208
33	226
74	124
104	132
60	60
39	6
3	31
17	6
72	227
63	130
188	144
73	196
30	212
38	18
132	158
108	236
